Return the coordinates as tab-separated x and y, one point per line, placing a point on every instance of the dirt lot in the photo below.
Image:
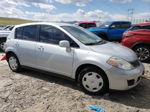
31	91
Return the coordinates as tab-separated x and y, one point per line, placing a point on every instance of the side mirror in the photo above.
112	27
64	43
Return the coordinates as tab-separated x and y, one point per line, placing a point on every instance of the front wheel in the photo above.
14	63
93	81
143	52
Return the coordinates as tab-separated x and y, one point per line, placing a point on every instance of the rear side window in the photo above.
26	33
29	32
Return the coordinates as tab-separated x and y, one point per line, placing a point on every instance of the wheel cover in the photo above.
143	53
13	63
92	81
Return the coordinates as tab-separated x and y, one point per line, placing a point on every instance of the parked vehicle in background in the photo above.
1	27
74	52
111	30
3	35
138	39
86	24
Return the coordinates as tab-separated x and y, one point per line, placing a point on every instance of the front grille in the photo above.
135	63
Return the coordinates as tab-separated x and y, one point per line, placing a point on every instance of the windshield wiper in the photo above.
96	43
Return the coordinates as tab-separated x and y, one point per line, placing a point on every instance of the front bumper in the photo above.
124	79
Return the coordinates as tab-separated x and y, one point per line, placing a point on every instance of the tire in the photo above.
14	63
93	81
143	52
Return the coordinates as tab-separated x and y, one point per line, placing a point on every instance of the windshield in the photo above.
138	27
84	36
106	24
8	28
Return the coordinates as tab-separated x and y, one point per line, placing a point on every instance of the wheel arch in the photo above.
139	44
10	52
87	65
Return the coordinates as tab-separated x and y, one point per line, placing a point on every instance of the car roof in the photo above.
143	24
44	23
120	21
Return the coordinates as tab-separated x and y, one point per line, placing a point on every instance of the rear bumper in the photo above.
123	79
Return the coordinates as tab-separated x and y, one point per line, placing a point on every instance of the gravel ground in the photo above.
31	91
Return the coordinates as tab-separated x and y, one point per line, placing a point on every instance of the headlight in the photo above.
120	63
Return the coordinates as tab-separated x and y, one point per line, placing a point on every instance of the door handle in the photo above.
17	45
41	48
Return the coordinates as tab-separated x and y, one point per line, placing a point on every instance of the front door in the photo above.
50	56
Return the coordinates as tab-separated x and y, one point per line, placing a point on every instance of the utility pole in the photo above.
130	14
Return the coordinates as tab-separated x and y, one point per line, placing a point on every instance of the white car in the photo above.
69	50
3	35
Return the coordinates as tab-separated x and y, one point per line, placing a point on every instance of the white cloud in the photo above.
75	2
121	1
47	8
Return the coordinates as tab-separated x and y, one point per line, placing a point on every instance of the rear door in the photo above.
25	43
50	56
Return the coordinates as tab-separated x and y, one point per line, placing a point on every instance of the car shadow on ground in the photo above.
137	97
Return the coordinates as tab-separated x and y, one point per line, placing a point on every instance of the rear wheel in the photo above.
93	81
143	52
13	63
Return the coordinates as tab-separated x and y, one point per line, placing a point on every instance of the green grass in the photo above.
13	21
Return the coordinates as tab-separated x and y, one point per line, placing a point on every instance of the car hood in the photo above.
3	31
116	50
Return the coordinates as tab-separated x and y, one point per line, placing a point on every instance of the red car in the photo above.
86	24
138	39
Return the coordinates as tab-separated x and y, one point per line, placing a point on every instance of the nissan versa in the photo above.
69	50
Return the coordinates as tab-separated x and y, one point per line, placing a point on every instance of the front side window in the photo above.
50	34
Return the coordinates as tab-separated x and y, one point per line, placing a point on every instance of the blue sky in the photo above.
74	10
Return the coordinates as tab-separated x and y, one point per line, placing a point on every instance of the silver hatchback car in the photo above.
95	64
